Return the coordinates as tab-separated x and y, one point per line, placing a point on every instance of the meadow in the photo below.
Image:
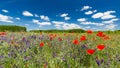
59	50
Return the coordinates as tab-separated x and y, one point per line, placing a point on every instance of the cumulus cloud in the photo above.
57	22
90	12
64	15
98	15
41	23
35	21
27	24
17	18
70	26
27	13
44	23
104	15
65	25
36	15
85	8
108	12
92	23
58	26
67	18
84	22
5	18
111	21
110	26
108	16
95	11
46	18
81	19
6	11
88	27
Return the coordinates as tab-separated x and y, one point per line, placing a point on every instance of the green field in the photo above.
58	50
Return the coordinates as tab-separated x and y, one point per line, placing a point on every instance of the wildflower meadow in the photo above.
59	50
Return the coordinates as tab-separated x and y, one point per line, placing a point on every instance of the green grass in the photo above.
57	54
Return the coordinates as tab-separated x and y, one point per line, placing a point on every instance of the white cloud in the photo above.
95	11
88	27
41	23
26	13
104	15
65	25
92	23
110	27
89	12
6	11
58	26
5	18
57	22
99	24
64	15
98	15
27	24
86	23
36	15
85	8
70	26
46	18
108	16
111	21
35	21
44	23
108	12
67	18
81	19
17	18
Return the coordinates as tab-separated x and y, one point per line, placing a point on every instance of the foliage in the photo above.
12	28
60	31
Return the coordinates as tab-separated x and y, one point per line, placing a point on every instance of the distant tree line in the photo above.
12	28
60	31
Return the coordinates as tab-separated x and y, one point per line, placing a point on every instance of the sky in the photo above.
61	14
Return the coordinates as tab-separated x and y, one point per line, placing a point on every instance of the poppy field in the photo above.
59	50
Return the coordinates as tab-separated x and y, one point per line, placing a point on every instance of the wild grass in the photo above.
22	50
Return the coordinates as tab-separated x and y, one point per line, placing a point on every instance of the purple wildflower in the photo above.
26	58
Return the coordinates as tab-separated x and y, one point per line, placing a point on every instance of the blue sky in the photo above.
61	14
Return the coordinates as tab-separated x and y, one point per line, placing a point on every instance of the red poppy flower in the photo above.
83	38
45	65
51	34
59	39
51	38
2	33
75	42
89	31
100	34
41	44
65	34
106	37
90	51
100	47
